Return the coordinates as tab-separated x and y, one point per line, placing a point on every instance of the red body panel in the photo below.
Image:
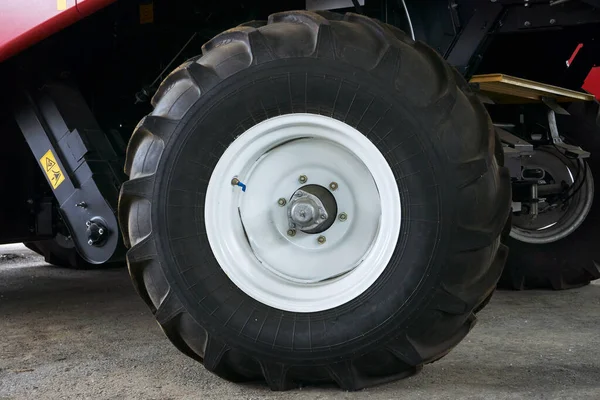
592	82
24	23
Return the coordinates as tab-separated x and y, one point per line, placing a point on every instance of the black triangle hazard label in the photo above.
49	164
56	175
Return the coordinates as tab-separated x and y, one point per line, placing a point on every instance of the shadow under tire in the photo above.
432	131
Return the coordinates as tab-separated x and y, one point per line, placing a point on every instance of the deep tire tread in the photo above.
331	36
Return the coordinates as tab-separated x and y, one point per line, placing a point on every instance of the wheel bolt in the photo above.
321	239
343	216
282	202
291	232
302	179
333	185
90	242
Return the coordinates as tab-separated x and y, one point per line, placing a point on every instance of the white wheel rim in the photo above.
247	231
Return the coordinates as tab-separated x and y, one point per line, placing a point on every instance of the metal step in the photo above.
506	89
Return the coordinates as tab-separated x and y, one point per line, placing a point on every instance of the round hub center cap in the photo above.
312	209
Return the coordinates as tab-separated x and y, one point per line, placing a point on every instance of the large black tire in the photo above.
572	261
434	133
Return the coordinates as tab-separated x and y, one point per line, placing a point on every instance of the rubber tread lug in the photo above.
205	77
139	187
311	19
169	308
276	375
215	350
405	351
450	303
345	376
144	250
471	171
260	48
158	126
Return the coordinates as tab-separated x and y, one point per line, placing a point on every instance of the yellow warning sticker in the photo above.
147	13
61	5
53	171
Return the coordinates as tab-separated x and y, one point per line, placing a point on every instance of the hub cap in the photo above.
555	220
338	228
312	209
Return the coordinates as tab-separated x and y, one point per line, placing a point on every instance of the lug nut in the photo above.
90	242
291	232
321	239
333	185
302	179
101	231
343	216
282	202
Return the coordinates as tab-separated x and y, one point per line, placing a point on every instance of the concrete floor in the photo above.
85	334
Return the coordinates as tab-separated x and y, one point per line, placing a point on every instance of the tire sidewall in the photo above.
404	288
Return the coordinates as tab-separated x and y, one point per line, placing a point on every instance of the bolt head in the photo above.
343	216
90	242
321	239
88	224
302	179
333	186
527	23
282	202
291	232
235	181
100	231
552	21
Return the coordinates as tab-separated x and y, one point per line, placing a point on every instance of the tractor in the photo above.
324	195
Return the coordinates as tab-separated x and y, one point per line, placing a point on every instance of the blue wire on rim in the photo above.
240	184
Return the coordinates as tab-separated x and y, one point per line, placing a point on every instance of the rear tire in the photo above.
437	140
570	262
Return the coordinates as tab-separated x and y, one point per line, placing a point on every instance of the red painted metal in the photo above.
24	23
592	82
87	7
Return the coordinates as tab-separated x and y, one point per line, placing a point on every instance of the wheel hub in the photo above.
312	209
555	219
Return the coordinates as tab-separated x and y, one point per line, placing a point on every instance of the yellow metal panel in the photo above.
509	89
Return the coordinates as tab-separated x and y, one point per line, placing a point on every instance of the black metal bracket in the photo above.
464	54
80	165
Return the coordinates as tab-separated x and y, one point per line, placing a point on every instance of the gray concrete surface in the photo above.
86	335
